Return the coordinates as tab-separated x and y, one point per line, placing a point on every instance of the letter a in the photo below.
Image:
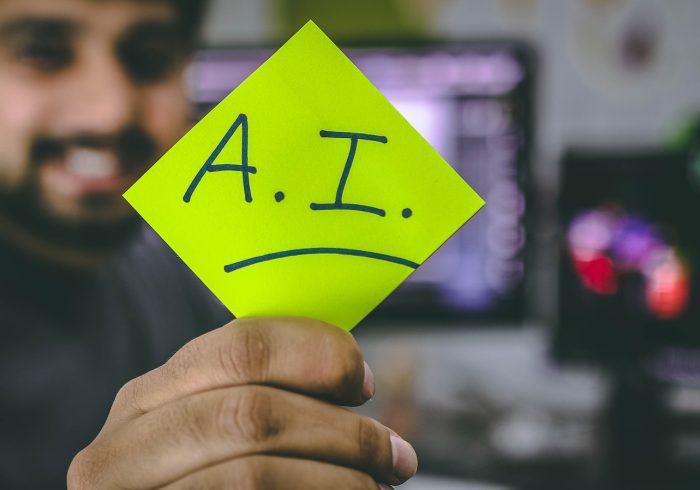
243	167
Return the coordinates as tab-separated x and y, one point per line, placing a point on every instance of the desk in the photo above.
420	482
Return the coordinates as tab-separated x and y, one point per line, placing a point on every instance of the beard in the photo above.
25	206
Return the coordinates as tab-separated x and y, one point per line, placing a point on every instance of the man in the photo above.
91	92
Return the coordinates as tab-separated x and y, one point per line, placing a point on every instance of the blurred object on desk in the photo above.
422	482
398	376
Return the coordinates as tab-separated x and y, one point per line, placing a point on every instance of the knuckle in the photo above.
182	361
127	396
193	416
252	473
343	365
355	480
369	441
84	469
248	415
245	357
203	483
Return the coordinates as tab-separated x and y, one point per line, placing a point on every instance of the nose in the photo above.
98	98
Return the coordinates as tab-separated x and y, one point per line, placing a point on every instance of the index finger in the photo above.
297	354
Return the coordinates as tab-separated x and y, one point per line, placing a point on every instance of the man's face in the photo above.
91	93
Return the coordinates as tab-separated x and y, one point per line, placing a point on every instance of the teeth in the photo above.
92	164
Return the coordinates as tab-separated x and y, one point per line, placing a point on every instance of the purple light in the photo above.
634	240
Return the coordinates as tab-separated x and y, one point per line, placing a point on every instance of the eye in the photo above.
149	61
43	54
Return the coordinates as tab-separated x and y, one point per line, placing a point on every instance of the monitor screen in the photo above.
630	256
472	103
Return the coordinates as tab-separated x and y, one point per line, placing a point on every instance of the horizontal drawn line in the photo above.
319	251
356	136
221	167
347	207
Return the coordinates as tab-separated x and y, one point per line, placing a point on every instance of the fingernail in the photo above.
385	487
405	459
368	384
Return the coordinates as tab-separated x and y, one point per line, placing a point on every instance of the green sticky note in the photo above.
304	192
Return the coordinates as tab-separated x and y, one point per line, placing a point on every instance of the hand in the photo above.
252	405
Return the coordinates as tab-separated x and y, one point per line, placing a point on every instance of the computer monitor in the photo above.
629	279
473	103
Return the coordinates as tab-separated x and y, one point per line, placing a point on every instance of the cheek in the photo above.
21	109
166	114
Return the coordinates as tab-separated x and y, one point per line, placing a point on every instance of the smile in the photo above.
319	251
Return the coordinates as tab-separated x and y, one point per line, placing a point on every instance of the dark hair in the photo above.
190	16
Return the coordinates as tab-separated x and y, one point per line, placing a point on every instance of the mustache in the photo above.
133	147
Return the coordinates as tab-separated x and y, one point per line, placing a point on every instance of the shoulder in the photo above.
150	267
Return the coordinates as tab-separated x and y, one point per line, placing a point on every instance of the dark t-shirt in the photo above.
68	342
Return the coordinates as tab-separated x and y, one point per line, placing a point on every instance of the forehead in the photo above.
106	16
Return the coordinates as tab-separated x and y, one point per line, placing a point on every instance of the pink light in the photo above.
590	234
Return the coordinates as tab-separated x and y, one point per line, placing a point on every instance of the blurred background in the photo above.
554	341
